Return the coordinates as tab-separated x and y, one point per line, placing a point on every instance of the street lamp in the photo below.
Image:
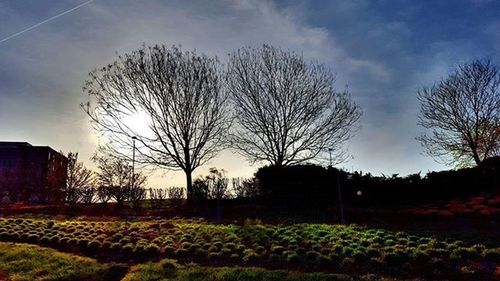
133	159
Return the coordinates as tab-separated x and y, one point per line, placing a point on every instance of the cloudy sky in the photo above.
383	51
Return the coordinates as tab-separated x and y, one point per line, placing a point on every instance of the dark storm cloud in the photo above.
383	50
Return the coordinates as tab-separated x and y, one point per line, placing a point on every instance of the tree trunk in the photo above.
189	185
475	155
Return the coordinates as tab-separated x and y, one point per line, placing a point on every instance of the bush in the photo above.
420	256
464	254
250	255
394	259
492	255
312	256
94	246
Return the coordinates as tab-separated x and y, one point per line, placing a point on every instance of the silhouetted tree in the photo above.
180	93
157	197
79	179
245	188
286	109
462	113
88	194
215	185
115	178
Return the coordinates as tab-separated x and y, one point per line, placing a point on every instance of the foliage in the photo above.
171	270
245	188
312	246
213	186
311	185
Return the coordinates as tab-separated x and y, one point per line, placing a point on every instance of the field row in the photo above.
302	246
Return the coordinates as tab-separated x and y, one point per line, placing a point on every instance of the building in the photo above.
31	173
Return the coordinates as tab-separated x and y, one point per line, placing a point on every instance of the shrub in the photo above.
32	238
127	249
214	255
347	264
226	252
94	246
312	256
438	265
420	256
464	254
492	255
200	253
274	258
373	252
393	259
277	249
249	255
291	256
169	251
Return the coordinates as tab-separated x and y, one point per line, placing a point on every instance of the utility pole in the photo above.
133	161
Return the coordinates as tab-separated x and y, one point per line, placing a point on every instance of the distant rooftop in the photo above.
13	144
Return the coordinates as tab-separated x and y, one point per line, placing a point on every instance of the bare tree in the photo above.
286	109
180	95
462	113
103	195
175	195
115	180
79	179
88	194
157	197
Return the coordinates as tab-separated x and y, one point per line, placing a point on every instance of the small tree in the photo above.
137	194
79	179
286	109
175	194
88	194
462	113
115	180
245	188
103	195
158	197
213	186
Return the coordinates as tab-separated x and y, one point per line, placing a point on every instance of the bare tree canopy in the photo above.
462	114
180	95
80	179
286	109
115	180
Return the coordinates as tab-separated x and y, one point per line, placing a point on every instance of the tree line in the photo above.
271	106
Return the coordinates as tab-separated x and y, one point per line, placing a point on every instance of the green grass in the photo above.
169	270
28	262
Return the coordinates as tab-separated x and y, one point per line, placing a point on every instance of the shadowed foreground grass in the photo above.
169	270
28	262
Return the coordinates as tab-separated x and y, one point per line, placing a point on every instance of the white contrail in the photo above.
44	21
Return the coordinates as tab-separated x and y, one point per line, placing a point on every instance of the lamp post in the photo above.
133	160
338	190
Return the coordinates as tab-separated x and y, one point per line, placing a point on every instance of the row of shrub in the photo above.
315	185
308	246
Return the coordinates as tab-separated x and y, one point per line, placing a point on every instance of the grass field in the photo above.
22	262
170	270
299	247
